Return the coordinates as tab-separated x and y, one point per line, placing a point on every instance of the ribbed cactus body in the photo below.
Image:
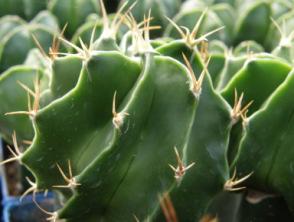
18	40
25	8
126	126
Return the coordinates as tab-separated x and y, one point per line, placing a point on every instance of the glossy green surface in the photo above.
255	16
159	9
177	48
156	143
8	23
16	99
208	151
12	6
248	48
189	18
20	40
120	152
257	79
78	103
72	12
24	8
268	140
65	72
231	67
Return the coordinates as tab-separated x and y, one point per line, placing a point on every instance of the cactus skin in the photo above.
225	63
280	37
206	151
8	23
24	8
85	31
36	59
118	178
64	76
247	23
246	47
213	115
20	40
78	199
93	22
12	7
73	13
210	22
269	72
182	106
271	163
46	19
252	20
16	99
159	9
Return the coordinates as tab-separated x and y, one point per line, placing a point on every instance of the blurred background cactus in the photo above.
153	110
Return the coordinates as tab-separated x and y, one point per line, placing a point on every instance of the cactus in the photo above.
216	17
129	128
265	175
20	38
25	8
252	19
73	13
159	10
16	99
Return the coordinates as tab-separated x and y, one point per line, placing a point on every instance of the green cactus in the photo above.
159	10
17	42
254	16
72	13
8	23
243	20
127	127
218	16
15	99
102	134
276	115
25	8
